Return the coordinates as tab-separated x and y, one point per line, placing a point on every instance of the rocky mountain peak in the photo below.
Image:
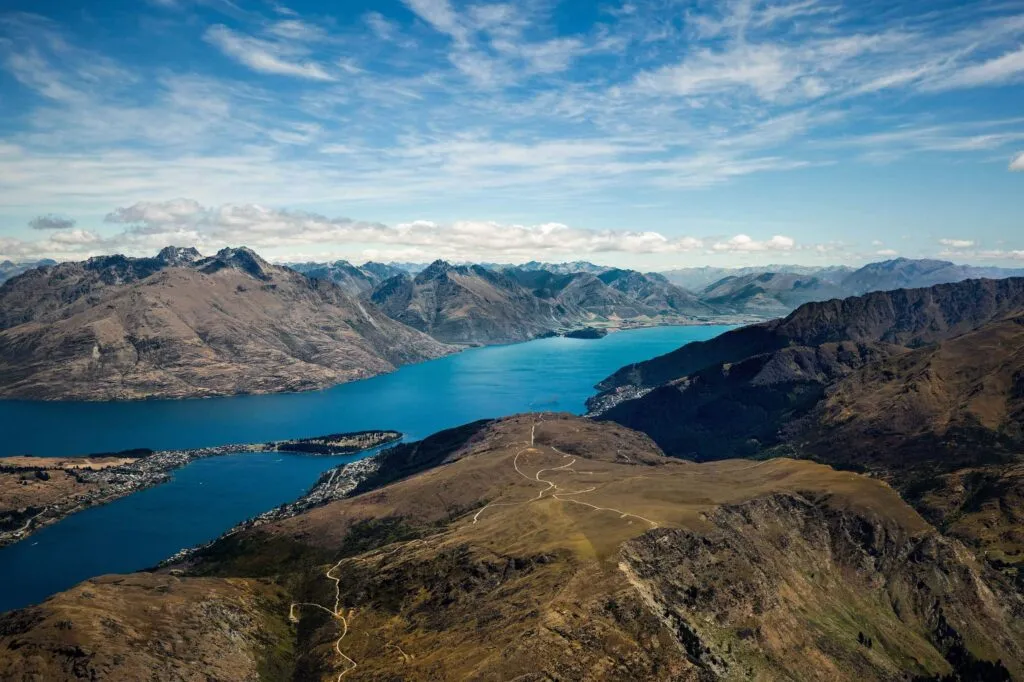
241	258
435	270
179	255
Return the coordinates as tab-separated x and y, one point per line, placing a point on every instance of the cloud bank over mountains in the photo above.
149	226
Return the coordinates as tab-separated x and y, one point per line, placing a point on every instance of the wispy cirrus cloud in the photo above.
509	111
267	56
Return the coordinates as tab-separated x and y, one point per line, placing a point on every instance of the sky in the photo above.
642	133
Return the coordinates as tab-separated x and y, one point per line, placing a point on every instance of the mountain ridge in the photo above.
180	325
552	543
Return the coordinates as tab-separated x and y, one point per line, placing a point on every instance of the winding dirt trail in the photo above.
555	489
336	613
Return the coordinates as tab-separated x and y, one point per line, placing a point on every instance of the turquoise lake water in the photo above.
209	496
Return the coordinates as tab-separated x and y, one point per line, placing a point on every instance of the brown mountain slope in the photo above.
552	547
228	324
941	421
945	423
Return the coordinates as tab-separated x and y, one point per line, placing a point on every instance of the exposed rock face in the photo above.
782	580
553	546
182	326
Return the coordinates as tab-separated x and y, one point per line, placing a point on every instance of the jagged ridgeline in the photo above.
181	325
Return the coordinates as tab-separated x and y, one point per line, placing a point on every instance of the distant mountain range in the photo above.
777	290
9	269
179	324
699	278
765	292
476	304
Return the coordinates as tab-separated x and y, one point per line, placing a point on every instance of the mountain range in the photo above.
477	304
10	269
181	325
772	292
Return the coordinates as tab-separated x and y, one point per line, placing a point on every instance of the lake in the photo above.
210	495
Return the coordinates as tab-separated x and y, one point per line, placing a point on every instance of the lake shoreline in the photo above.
112	483
725	320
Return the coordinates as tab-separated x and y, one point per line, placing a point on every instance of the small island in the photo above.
38	491
587	333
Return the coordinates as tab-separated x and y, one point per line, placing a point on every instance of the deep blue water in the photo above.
211	495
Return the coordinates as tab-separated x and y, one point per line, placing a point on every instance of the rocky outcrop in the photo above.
777	581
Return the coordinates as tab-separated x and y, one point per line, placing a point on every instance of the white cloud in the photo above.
149	226
957	243
439	14
887	252
262	227
762	69
1007	67
295	29
742	242
265	56
1017	164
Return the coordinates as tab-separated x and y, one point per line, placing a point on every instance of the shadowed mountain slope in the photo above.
906	317
921	387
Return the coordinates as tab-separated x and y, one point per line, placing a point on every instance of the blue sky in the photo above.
644	133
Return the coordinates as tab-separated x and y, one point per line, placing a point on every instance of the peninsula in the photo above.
38	491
